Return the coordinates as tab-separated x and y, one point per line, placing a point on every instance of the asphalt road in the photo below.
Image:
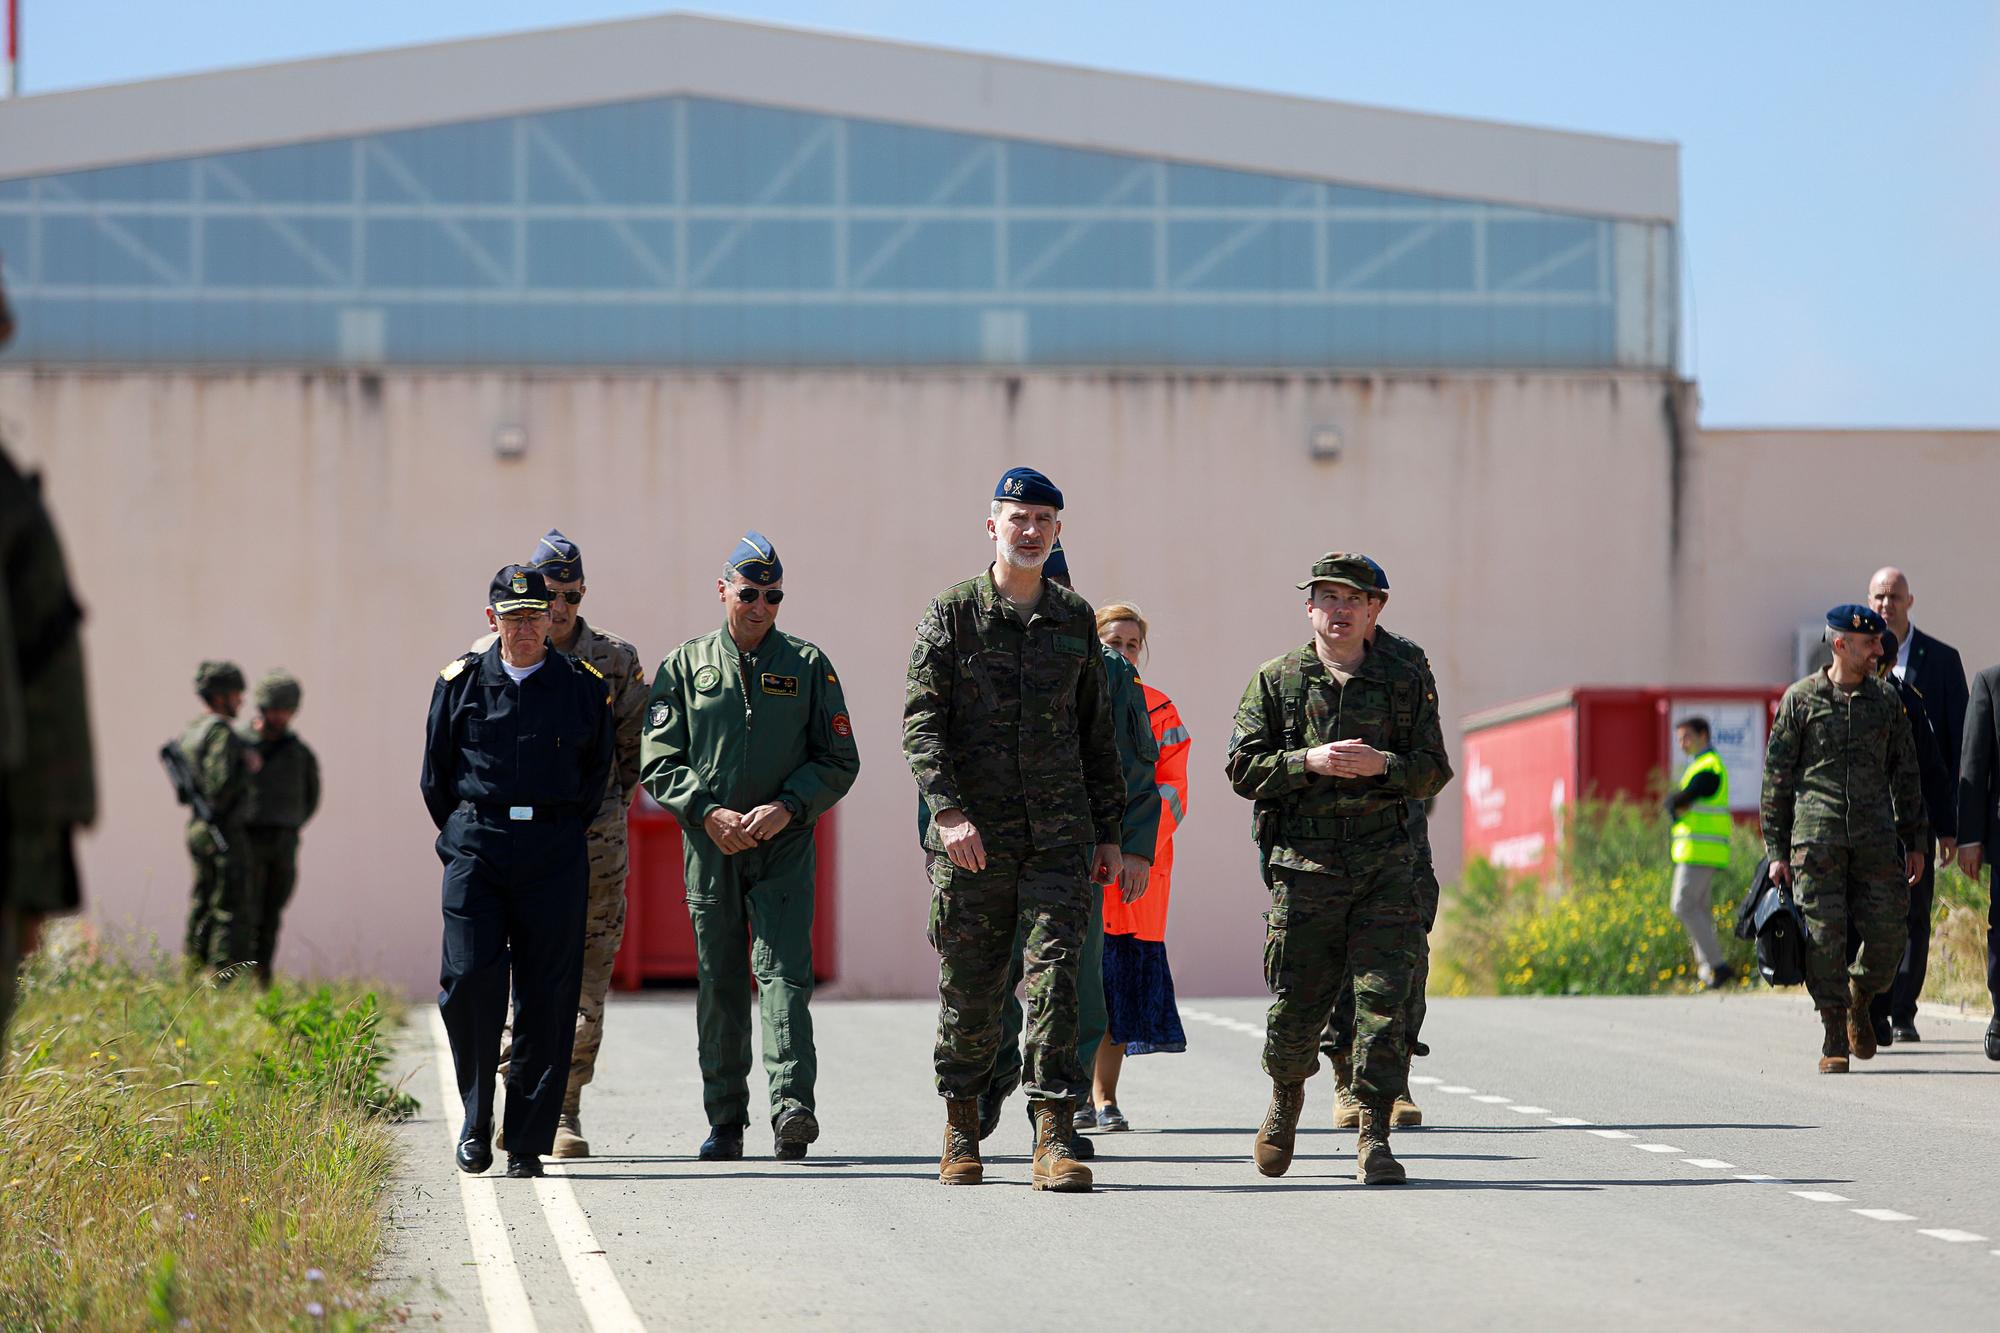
1658	1163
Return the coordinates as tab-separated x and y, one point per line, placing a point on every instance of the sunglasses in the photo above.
772	596
570	595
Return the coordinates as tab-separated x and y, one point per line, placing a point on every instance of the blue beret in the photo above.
756	559
1853	617
1057	565
1024	485
556	557
1381	579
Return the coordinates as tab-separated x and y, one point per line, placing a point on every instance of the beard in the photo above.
1019	559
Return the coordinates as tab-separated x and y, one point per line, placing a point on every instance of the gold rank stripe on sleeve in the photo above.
591	669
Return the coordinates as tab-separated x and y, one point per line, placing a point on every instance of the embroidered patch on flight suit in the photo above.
707	678
662	714
784	686
841	726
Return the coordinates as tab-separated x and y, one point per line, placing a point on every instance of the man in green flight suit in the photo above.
1332	741
285	794
48	785
222	916
747	742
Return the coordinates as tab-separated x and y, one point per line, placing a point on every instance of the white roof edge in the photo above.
684	54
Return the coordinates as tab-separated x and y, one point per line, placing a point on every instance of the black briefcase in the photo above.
1770	917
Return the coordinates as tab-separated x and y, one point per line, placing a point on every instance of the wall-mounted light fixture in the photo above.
510	442
1323	443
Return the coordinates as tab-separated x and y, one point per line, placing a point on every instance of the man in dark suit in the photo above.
1932	668
1979	819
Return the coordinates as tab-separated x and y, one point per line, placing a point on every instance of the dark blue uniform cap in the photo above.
518	588
1057	565
1024	485
1381	579
1854	618
558	558
757	560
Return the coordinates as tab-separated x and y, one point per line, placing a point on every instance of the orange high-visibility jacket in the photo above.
1147	918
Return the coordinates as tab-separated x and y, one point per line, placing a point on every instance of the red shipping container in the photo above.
1525	763
659	937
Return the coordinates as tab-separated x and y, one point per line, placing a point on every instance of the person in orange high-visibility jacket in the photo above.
1138	986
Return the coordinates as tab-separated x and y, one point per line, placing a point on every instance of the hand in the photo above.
1947	851
1132	877
1969	857
1346	759
1913	866
1781	874
961	840
1106	862
767	821
725	829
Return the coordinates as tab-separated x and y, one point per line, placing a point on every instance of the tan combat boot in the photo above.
1406	1114
1279	1133
1346	1111
1833	1050
1374	1164
1860	1026
1056	1167
960	1164
569	1136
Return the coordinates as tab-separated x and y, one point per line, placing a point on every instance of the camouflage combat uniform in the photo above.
1840	788
48	786
1339	1035
284	795
223	922
604	923
1009	721
1336	853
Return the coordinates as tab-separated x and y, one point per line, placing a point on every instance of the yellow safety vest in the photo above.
1701	835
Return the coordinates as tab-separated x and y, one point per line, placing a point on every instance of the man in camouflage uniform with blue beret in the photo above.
222	917
284	795
1332	741
560	563
1008	729
1841	788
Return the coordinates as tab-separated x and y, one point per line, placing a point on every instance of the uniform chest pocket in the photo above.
990	676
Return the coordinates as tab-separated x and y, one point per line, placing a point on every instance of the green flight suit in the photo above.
725	729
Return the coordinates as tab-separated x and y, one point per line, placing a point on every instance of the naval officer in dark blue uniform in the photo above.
517	750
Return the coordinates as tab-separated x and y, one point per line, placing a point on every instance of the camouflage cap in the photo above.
217	678
1342	567
278	688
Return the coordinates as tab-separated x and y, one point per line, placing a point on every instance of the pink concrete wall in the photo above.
345	526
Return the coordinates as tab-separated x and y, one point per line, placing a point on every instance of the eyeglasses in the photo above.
772	596
570	595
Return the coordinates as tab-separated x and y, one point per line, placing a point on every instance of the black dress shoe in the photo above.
1906	1031
723	1144
474	1154
1993	1038
1418	1048
1885	1032
523	1166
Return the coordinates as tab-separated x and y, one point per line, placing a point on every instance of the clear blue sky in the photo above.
1840	160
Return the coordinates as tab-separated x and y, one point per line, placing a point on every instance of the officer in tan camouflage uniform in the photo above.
222	916
560	564
1332	741
285	794
48	785
1007	726
1841	788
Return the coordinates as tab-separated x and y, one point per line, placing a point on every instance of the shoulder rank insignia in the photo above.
457	665
591	669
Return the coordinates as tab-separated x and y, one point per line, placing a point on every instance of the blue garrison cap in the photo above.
757	560
1057	565
1024	485
1854	618
1381	579
556	557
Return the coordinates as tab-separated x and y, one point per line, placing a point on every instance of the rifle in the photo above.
187	790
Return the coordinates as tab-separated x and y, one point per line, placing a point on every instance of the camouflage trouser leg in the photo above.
974	919
274	873
1339	1035
603	929
1859	889
222	921
1091	1016
1319	929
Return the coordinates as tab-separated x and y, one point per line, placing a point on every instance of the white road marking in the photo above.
1883	1214
500	1288
1424	1080
1955	1237
1492	1100
1568	1120
1755	1178
1657	1147
1609	1133
1530	1110
1708	1163
604	1301
1821	1196
1453	1087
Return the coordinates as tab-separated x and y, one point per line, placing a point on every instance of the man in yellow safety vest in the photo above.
1700	809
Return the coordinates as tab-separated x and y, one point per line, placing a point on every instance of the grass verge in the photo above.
181	1154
